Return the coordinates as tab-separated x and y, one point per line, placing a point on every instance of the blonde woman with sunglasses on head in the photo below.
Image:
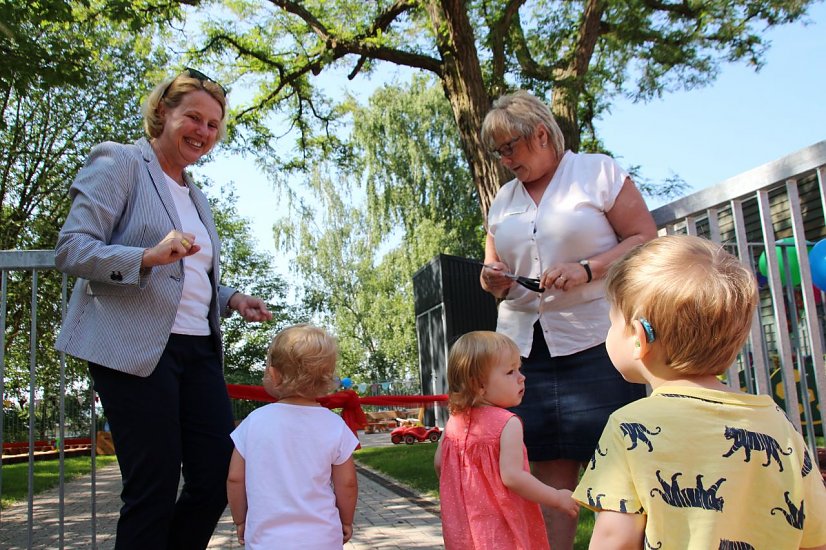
144	314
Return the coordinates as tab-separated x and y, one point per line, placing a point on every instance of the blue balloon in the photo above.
346	383
817	263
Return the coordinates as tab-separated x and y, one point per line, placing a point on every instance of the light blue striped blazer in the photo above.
119	316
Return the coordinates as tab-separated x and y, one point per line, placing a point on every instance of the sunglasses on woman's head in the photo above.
197	75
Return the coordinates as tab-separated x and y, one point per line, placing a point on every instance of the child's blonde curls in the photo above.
305	358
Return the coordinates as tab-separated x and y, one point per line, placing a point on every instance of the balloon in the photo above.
817	263
791	254
346	383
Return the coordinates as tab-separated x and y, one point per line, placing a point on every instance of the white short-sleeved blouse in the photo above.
568	225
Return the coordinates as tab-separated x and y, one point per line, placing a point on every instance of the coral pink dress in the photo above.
478	511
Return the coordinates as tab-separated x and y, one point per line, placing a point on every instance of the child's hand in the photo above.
347	531
239	530
565	503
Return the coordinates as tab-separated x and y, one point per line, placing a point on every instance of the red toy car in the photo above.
412	434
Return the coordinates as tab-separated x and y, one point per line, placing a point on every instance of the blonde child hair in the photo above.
304	356
698	299
468	364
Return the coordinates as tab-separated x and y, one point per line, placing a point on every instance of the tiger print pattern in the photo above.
755	441
638	432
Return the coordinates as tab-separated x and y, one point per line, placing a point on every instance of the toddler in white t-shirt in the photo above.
292	480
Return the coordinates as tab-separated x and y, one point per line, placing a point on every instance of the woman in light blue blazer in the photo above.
145	312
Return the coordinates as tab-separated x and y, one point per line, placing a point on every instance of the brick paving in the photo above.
388	516
44	532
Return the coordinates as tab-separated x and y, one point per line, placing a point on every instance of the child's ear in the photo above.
641	345
274	373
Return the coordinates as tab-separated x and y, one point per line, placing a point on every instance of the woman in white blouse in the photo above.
564	219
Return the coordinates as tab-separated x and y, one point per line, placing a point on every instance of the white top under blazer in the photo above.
193	308
568	225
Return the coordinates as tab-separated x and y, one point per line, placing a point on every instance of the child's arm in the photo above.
618	531
346	489
237	493
523	483
437	460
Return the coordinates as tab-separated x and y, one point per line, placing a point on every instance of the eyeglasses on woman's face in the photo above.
198	75
506	149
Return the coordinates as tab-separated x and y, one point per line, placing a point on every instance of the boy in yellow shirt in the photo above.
697	464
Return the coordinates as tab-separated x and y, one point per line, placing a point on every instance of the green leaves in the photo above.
578	55
245	267
368	224
51	115
414	166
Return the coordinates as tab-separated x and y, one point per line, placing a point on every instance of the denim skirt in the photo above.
568	400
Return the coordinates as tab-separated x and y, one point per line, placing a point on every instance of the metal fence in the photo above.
28	268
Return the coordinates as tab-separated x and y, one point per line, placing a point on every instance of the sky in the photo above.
742	120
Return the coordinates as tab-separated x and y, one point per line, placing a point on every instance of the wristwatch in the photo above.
587	266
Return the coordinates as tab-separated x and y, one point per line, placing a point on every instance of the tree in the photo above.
249	270
584	52
365	298
407	146
406	175
52	43
34	50
46	131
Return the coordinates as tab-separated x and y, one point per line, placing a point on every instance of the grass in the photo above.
46	476
410	464
413	466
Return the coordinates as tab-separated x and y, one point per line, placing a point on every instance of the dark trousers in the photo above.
177	420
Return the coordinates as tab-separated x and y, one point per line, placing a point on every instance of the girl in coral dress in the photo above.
488	496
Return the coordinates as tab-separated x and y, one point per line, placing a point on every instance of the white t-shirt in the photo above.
568	225
194	306
289	451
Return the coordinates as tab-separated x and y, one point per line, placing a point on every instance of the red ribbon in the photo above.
347	400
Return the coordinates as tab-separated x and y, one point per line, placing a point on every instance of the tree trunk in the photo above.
564	109
465	90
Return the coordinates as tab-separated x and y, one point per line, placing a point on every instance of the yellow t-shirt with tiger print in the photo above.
710	470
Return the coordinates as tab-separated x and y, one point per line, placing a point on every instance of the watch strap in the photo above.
587	266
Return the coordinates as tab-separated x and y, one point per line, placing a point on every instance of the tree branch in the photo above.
589	33
499	31
312	21
683	8
359	45
530	67
384	20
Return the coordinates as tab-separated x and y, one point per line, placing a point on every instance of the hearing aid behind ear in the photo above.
649	330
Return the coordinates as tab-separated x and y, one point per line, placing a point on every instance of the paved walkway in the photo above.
388	516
